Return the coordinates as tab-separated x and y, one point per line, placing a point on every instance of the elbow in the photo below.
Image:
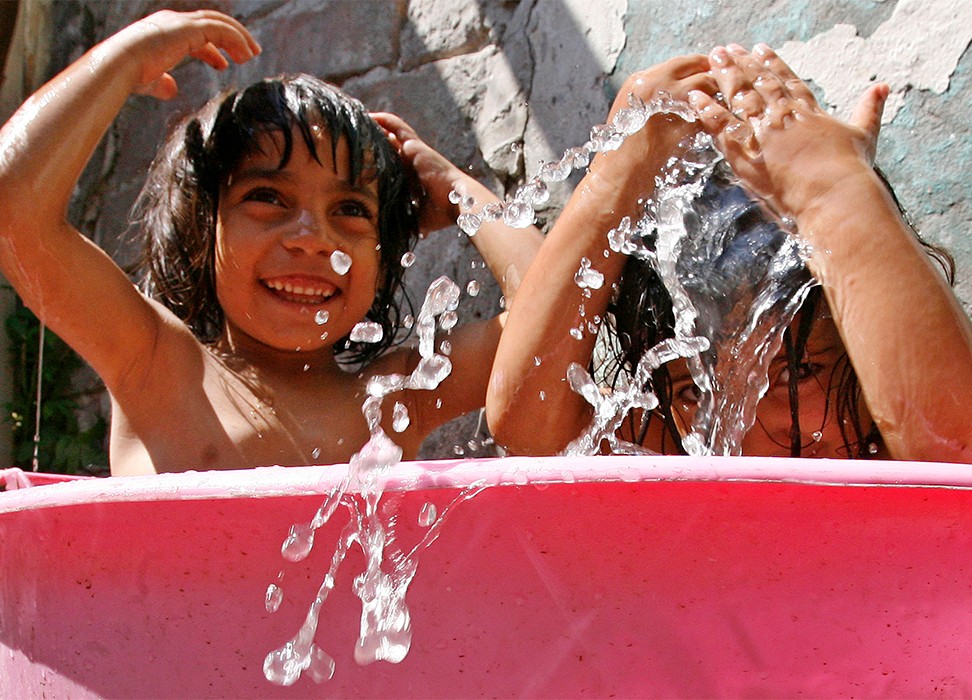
525	423
924	439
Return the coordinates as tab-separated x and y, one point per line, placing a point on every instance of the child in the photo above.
905	334
276	220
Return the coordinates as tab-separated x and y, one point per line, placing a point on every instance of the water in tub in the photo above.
734	289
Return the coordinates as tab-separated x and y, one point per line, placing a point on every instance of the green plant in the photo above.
64	446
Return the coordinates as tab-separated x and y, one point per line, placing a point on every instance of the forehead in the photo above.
270	152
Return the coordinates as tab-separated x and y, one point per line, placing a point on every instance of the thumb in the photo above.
867	114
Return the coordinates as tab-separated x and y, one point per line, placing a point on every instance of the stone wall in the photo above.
498	85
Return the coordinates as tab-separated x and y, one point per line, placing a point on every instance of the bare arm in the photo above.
69	282
907	336
531	408
508	252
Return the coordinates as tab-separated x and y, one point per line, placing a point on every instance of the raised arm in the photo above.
507	251
907	336
65	279
530	407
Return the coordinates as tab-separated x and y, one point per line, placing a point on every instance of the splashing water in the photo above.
340	262
367	332
385	631
736	276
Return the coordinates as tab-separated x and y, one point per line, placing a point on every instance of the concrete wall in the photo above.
497	86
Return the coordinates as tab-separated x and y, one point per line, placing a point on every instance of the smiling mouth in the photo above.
301	292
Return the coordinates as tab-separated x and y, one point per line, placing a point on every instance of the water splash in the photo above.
367	332
736	275
340	262
385	631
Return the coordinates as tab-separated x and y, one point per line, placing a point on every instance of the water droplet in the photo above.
438	403
454	197
274	598
492	211
543	395
408	321
448	320
817	436
469	223
306	367
367	332
324	335
587	277
518	215
576	333
316	452
534	193
400	418
320	318
408	259
427	514
537	360
340	262
445	347
472	289
299	543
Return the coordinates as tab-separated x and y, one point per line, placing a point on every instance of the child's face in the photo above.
281	236
771	434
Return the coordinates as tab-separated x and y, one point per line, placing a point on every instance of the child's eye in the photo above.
265	196
805	370
689	393
353	207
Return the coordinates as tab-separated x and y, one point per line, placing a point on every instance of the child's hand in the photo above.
159	42
435	176
648	149
775	135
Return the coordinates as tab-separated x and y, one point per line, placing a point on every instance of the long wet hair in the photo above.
176	211
642	315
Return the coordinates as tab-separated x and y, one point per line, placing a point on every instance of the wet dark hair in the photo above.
641	315
177	209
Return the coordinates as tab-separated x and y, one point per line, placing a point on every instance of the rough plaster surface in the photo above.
917	48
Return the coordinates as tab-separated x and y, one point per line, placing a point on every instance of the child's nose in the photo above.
309	235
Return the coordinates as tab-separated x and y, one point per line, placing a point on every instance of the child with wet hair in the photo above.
276	219
877	363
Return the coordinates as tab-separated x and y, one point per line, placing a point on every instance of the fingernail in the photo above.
694	97
737	49
719	55
762	49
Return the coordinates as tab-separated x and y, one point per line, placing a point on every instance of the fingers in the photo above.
229	34
676	76
211	56
759	84
732	134
867	115
796	88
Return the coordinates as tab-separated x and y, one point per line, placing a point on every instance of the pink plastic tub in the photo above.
641	577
